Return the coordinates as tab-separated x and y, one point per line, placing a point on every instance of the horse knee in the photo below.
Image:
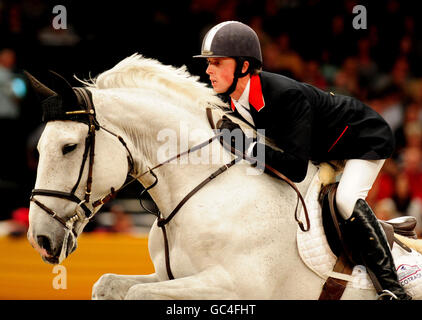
145	292
107	288
137	292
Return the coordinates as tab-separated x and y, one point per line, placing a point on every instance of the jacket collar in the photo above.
256	99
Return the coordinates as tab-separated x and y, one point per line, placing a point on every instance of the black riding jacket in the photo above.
310	124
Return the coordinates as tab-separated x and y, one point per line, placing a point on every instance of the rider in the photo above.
307	124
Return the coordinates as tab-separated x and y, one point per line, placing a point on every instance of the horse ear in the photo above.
63	88
40	89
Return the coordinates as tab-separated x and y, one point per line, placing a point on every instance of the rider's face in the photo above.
221	73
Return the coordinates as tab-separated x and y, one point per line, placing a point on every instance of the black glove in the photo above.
233	135
227	123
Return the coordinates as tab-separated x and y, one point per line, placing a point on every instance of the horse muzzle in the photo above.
50	251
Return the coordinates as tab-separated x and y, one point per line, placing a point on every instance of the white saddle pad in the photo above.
317	255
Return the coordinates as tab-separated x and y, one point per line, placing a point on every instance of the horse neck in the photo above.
142	123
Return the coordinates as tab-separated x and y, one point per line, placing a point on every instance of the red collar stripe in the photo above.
256	99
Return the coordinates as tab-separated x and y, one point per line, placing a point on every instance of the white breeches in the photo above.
355	183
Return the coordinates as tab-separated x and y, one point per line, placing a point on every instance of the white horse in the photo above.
234	239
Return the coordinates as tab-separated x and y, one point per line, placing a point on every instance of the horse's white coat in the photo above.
235	239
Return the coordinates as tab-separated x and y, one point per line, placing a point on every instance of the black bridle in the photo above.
88	113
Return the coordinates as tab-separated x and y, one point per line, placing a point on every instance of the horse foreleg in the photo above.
115	286
205	285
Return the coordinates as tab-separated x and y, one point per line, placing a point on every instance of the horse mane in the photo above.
137	71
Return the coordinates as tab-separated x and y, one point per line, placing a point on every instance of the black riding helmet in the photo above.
235	40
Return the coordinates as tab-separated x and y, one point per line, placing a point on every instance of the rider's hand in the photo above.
233	135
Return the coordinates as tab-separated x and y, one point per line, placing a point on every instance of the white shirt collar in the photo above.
244	98
242	105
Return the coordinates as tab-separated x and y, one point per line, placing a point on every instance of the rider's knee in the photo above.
345	201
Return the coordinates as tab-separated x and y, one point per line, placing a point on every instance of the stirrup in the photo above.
387	293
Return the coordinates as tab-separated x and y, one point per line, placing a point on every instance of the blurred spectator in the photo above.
402	203
400	74
346	80
413	134
122	221
337	42
272	57
383	186
411	120
289	59
385	209
256	23
411	167
9	108
313	75
403	200
367	67
17	225
226	10
12	160
392	105
328	69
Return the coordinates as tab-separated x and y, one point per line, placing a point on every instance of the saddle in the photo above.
333	223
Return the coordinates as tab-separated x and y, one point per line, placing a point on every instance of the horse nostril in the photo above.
44	242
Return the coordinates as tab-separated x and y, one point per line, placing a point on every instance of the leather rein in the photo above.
85	100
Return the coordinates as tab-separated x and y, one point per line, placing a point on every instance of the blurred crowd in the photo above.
313	41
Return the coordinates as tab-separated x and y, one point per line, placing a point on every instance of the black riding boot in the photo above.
367	239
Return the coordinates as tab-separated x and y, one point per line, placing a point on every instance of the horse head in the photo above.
68	183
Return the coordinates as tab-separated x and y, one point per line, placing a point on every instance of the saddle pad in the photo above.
316	253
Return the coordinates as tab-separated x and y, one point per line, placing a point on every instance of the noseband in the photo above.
88	112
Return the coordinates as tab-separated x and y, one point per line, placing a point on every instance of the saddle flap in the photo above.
389	232
333	226
404	226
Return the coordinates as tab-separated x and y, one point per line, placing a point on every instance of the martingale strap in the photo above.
161	222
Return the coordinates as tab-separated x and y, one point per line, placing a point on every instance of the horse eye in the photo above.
68	148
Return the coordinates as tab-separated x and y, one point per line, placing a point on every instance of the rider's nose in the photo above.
209	70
